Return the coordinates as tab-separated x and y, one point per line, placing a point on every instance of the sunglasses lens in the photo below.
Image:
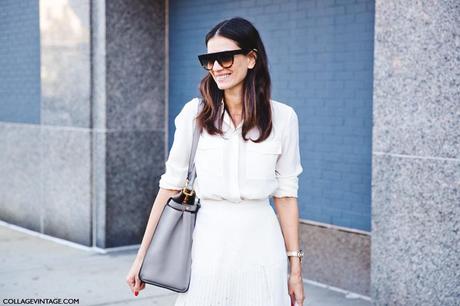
226	60
210	63
204	61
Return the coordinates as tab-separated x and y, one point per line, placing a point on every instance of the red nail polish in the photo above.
136	293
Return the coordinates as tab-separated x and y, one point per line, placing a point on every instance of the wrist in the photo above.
139	258
295	266
296	276
295	256
296	273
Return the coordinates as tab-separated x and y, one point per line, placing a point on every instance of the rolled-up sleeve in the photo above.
288	165
176	166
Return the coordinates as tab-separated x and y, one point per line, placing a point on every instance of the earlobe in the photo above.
255	61
254	57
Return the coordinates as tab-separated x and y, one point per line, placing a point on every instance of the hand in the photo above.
295	285
134	283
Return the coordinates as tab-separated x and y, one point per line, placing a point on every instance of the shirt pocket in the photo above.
261	159
209	157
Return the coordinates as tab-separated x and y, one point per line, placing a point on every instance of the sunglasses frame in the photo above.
217	56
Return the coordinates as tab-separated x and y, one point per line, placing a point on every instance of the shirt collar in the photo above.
227	118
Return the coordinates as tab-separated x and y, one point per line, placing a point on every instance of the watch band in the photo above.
298	253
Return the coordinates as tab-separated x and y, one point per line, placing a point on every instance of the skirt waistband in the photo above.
241	202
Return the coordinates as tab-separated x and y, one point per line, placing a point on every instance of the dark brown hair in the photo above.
256	85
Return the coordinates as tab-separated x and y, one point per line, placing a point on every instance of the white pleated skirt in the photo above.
238	256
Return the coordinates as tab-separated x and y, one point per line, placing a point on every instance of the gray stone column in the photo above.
65	127
88	171
416	154
128	116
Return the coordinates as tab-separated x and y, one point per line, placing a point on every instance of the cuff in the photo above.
173	178
287	187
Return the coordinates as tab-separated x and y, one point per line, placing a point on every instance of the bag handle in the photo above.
191	175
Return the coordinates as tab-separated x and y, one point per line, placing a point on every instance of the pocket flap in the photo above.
269	147
209	143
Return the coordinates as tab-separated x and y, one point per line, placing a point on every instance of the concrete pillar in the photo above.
87	169
416	154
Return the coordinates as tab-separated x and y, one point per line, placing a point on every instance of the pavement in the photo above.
34	265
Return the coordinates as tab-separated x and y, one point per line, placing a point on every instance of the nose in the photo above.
216	67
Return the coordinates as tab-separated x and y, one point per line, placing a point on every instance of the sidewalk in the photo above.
36	267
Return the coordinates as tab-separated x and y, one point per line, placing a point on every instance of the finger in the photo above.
291	295
130	282
137	284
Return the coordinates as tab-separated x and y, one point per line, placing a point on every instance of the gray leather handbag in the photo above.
167	262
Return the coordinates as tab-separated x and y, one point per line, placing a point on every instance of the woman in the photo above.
248	150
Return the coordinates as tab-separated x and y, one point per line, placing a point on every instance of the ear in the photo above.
252	59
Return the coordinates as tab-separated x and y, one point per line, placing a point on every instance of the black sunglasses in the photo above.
224	58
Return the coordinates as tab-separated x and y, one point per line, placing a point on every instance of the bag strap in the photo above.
191	175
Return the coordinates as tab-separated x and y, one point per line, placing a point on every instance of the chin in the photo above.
229	85
222	87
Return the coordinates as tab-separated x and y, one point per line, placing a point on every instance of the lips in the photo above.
223	76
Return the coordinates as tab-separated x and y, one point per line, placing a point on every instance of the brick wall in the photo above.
321	58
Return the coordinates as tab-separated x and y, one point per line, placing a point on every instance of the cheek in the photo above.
240	74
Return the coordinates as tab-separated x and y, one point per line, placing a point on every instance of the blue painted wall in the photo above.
19	61
321	59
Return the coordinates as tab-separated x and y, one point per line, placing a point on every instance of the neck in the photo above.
233	101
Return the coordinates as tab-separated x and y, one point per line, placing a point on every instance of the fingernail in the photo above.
136	293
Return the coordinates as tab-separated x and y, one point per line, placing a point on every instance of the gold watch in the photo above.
298	253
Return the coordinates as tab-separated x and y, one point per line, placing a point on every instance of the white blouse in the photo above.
228	168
